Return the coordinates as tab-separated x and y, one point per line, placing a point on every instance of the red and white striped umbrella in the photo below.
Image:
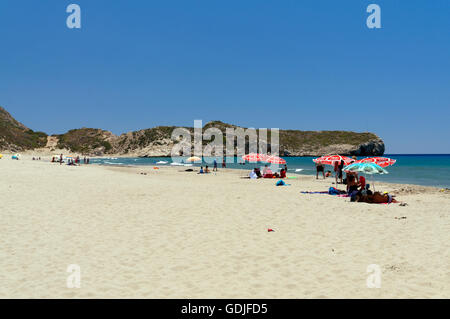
275	160
380	161
331	159
254	157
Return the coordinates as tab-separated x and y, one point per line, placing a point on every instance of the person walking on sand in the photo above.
215	166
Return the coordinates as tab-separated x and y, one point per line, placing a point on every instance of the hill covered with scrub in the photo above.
15	136
157	141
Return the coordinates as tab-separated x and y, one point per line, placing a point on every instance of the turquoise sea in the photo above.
420	169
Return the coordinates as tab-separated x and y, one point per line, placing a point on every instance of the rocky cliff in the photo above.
158	141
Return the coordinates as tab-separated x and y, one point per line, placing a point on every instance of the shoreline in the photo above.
28	156
390	184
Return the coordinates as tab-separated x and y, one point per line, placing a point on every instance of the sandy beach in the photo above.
176	234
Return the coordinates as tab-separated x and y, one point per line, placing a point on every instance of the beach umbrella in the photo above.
275	160
331	159
380	161
193	159
367	168
254	157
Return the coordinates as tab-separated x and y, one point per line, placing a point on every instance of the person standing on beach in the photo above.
60	159
341	166
223	163
336	170
215	166
320	168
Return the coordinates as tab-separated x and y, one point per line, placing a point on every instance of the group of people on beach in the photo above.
70	160
337	167
356	187
267	173
206	170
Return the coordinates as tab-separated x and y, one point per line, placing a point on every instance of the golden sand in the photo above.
175	234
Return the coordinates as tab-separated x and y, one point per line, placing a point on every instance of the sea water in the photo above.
420	169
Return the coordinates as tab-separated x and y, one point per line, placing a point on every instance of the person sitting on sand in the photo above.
201	170
366	190
268	173
352	184
354	174
207	170
253	174
258	172
362	183
319	168
328	174
283	173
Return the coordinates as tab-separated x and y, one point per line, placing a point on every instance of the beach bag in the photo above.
333	191
280	183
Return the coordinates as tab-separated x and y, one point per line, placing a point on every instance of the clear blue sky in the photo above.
308	65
